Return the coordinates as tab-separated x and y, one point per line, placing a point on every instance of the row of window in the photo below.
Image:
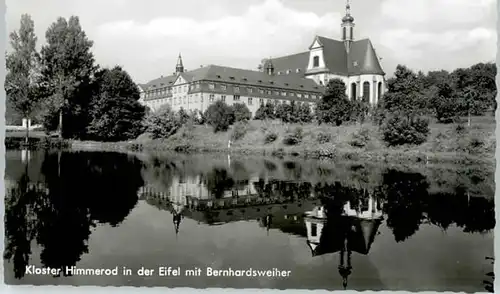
236	89
211	98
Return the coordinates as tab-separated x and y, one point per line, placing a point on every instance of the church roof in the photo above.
361	59
360	235
254	78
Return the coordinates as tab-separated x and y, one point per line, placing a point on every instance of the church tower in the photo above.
347	27
179	68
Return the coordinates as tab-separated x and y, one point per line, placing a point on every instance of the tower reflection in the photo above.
346	228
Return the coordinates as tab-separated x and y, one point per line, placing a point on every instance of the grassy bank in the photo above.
446	143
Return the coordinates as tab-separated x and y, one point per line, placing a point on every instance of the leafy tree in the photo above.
220	116
444	102
68	67
359	111
115	112
284	112
265	111
303	113
162	123
23	71
241	112
334	106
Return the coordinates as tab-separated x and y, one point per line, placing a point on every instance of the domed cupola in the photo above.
347	27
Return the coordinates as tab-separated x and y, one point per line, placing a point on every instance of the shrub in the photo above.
183	116
239	131
270	137
401	130
294	137
162	123
360	138
220	116
241	112
323	138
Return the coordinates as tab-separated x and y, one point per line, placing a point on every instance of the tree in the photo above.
220	116
303	113
23	71
241	112
444	102
162	123
68	67
284	112
115	112
265	111
334	106
183	116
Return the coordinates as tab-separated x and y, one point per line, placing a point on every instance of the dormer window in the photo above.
286	84
231	78
316	61
259	81
298	70
279	73
218	76
302	86
271	82
288	71
244	79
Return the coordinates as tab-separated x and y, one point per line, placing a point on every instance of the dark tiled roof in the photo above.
335	55
160	82
292	63
336	59
223	74
368	63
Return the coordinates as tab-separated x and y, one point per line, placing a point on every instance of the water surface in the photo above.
333	226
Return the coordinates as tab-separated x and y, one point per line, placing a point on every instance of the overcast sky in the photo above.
145	36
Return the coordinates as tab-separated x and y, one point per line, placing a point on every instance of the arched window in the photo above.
354	95
315	61
366	92
344	33
351	33
379	91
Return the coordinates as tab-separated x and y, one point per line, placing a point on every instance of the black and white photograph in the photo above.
251	144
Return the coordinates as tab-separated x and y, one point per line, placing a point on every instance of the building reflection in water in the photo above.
352	229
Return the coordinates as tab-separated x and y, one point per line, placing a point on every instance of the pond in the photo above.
312	224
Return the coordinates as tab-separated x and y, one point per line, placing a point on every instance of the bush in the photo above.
360	138
241	112
323	138
162	123
239	131
401	130
220	116
270	137
294	137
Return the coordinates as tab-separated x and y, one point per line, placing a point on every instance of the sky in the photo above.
145	37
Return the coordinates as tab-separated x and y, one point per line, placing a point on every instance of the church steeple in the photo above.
179	68
347	27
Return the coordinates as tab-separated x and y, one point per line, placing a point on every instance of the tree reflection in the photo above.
21	204
80	189
218	181
405	195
